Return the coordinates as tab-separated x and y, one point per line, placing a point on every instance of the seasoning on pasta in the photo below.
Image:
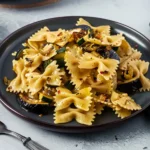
78	71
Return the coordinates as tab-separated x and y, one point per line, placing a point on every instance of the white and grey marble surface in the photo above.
133	134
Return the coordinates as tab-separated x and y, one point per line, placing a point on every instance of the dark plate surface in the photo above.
13	43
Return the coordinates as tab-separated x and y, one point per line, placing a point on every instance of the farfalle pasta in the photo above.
37	40
51	76
99	29
19	83
78	75
105	67
79	72
81	100
68	114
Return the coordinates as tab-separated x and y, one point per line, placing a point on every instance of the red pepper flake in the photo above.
59	34
103	72
58	91
9	87
40	115
98	36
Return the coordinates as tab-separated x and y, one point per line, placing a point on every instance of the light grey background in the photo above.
133	134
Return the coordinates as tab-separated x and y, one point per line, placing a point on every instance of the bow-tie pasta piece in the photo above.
32	62
78	75
99	108
101	34
136	70
60	37
105	67
130	75
98	30
125	49
124	101
103	86
81	100
81	116
47	52
19	83
121	112
51	76
114	40
143	69
75	50
125	60
38	40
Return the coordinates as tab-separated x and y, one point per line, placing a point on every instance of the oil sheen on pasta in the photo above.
78	72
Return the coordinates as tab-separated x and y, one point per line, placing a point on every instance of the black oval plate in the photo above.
13	43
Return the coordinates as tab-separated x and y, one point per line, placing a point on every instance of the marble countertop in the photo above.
133	134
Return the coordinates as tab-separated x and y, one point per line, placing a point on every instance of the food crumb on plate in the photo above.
14	53
40	115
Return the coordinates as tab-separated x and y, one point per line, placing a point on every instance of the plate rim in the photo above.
58	127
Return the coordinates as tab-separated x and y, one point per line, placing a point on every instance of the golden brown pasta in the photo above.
105	67
122	113
37	40
51	76
18	84
78	75
79	72
114	40
101	29
125	49
139	69
81	100
103	86
68	114
47	52
124	101
125	60
99	108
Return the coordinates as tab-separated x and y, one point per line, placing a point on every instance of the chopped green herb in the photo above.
115	48
61	63
80	41
61	50
69	85
46	63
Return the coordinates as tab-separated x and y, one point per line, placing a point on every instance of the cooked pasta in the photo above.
79	72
